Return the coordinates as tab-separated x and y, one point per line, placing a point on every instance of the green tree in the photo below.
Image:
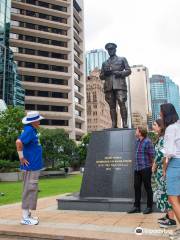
10	128
153	136
82	148
58	150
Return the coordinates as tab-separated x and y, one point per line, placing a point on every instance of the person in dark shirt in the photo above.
143	169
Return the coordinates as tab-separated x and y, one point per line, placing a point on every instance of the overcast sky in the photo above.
146	31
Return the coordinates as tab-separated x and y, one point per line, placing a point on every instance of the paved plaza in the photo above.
69	225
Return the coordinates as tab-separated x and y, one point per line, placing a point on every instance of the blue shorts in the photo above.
173	177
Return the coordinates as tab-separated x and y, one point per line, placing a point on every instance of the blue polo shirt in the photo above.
32	148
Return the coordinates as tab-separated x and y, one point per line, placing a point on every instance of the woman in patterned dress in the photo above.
157	169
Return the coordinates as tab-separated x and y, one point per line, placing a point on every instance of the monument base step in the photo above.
75	202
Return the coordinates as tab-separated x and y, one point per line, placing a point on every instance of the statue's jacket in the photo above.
113	82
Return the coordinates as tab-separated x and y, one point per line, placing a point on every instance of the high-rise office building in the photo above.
140	97
48	36
158	94
163	90
11	90
173	94
94	59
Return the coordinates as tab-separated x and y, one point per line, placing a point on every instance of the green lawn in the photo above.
48	187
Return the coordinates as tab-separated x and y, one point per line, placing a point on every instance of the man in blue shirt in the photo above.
30	155
142	173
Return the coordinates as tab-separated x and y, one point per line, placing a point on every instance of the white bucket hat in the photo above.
32	116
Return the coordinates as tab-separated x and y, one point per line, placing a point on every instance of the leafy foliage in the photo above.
59	151
82	148
10	128
153	136
8	166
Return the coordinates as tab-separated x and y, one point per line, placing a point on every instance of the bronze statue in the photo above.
114	71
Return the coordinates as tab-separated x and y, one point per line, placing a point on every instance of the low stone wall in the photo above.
51	173
17	176
11	176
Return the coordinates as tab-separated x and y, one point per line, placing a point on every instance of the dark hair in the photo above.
161	125
169	114
143	131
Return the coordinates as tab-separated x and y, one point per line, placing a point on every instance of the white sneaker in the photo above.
175	236
176	232
30	216
29	221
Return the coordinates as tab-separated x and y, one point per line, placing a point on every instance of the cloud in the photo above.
146	32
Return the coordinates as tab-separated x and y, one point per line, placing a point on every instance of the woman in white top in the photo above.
172	153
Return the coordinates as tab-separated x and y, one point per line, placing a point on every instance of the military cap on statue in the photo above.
110	45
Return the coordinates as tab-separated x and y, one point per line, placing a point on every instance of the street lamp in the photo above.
4	71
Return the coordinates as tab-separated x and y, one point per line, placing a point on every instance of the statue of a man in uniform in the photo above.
114	72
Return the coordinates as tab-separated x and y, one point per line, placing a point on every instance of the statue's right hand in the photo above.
108	73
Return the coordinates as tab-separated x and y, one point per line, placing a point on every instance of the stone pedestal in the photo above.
108	176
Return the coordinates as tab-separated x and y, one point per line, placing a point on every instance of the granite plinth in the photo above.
75	202
108	177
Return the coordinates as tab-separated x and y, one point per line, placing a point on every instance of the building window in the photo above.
30	92
29	65
77	100
43	40
76	76
43	28
94	97
43	16
30	25
30	38
76	19
33	2
30	51
29	78
59	108
45	122
43	4
59	68
43	53
43	66
59	81
42	107
77	88
59	95
59	8
77	113
59	19
43	94
58	55
78	125
76	30
59	43
30	107
43	80
30	13
88	97
76	41
76	53
77	64
59	122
